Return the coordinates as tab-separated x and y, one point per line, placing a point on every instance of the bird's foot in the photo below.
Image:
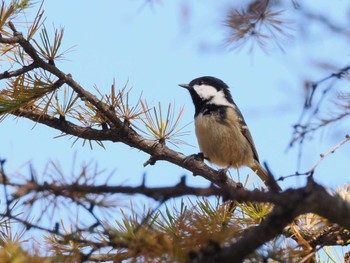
223	174
196	156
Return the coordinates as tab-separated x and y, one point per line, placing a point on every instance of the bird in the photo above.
222	133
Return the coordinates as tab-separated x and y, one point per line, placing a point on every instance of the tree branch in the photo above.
289	205
124	133
157	193
159	151
15	73
68	127
331	235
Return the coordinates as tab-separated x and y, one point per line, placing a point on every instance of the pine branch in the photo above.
330	235
158	151
289	205
18	72
124	133
156	193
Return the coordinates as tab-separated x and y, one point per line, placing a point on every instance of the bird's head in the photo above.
209	90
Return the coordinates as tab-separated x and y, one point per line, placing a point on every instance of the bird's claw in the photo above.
223	174
196	156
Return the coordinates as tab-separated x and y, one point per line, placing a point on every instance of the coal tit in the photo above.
223	136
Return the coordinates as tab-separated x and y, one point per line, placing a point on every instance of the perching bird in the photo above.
222	134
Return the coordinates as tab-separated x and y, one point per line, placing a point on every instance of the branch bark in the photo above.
157	193
119	132
289	205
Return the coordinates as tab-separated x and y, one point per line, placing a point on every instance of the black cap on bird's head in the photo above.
210	81
209	90
206	80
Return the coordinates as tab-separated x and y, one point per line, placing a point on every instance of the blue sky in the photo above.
153	49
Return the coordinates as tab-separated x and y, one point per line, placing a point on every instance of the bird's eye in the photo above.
201	82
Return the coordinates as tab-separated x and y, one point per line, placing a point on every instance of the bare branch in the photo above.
68	127
331	151
15	73
305	124
157	193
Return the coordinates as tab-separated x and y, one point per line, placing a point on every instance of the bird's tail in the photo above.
267	178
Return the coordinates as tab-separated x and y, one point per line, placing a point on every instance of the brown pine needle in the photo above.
256	25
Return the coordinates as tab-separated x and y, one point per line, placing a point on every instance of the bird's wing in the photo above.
246	133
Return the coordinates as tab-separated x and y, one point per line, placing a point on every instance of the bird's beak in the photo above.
186	86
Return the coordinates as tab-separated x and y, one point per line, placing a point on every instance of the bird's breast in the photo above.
222	140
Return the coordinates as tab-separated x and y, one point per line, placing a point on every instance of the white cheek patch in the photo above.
207	92
219	99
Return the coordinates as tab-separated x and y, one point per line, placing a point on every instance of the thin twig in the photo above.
331	151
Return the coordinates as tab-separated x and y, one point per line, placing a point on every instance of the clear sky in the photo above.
154	48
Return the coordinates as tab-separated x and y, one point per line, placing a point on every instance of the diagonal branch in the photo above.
289	205
159	151
67	126
67	78
123	133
